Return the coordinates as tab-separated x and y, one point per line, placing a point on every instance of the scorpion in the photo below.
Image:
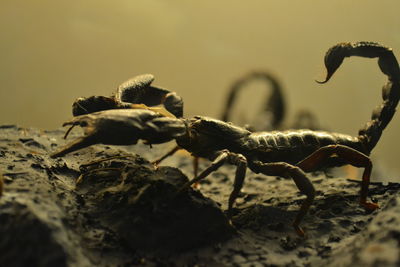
288	154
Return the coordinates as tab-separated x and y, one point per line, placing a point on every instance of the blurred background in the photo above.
52	52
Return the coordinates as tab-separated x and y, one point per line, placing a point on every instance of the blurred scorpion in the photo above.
289	154
273	111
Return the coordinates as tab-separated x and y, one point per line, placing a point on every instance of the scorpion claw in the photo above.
122	127
86	105
138	90
135	91
78	143
134	88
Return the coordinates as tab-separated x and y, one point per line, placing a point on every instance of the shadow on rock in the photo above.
142	207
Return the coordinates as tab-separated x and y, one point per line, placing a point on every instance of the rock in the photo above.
26	240
125	212
141	205
121	207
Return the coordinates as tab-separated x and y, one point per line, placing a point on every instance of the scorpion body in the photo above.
287	154
289	146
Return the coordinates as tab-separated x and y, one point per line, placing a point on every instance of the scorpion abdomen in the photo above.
276	146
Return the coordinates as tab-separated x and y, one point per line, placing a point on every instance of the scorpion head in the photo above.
207	135
123	127
216	128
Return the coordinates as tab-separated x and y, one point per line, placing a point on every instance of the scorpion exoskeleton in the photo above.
278	153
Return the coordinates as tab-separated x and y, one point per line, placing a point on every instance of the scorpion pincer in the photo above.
288	154
137	92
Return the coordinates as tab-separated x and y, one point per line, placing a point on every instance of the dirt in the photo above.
126	212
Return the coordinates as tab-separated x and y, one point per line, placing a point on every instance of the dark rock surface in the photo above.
125	212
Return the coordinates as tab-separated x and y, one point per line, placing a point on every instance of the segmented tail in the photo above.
274	105
381	116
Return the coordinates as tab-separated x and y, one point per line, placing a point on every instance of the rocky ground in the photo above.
125	212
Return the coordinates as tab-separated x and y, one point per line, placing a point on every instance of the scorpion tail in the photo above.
370	134
274	105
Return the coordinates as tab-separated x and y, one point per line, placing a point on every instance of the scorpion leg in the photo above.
195	166
170	153
352	157
241	167
284	169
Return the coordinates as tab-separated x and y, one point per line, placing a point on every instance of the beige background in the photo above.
55	51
